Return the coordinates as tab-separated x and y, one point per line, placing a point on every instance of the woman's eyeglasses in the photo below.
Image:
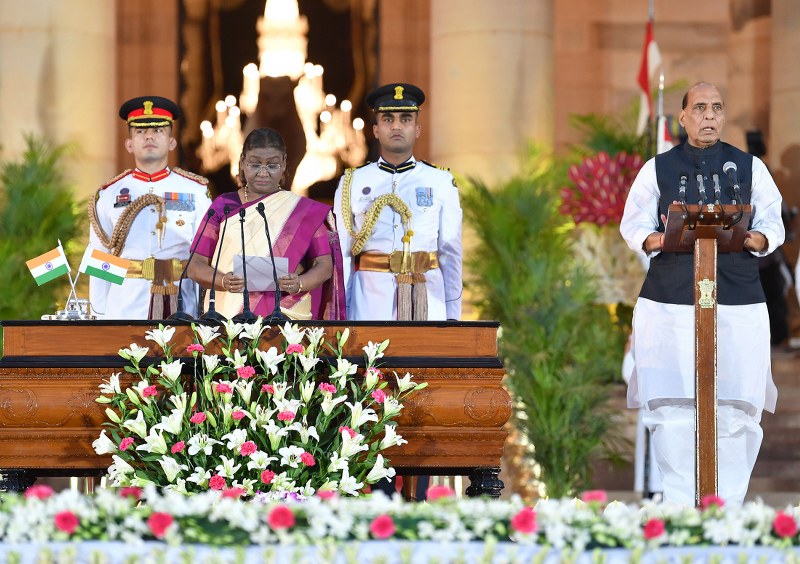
258	168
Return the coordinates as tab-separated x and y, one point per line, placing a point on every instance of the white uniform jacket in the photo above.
432	197
187	204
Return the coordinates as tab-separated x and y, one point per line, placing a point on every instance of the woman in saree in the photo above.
301	230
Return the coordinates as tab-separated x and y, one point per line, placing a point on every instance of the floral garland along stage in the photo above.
252	422
217	518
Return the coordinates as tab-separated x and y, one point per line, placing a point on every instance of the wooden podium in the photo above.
706	230
50	372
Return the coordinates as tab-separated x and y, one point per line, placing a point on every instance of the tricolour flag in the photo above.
48	266
664	140
651	61
104	265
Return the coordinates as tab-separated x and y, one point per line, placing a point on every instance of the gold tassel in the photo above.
156	305
419	298
404	307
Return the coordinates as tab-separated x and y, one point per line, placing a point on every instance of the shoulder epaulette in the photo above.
436	166
191	176
116	178
361	166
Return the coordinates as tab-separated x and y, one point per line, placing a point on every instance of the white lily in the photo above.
207	333
154	443
259	460
359	415
275	434
329	402
292	333
119	466
379	472
172	371
404	383
337	463
307	390
162	336
103	444
290	455
391	407
228	468
391	438
232	329
315	335
261	416
140	387
344	368
138	425
237	360
306	432
134	353
252	331
374	351
179	486
140	482
111	386
280	391
211	361
180	401
245	389
172	423
352	445
292	405
270	359
200	476
172	468
371	378
308	362
343	337
201	442
282	482
235	438
349	484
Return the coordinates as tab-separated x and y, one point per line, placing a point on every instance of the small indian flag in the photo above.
103	265
48	266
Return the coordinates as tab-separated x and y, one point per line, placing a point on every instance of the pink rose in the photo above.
524	521
784	525
237	415
308	459
178	447
379	396
245	372
159	523
594	496
709	501
247	448
198	417
223	388
268	389
66	521
195	348
217	482
286	416
131	491
234	493
382	527
438	492
281	517
125	443
267	476
654	528
296	348
39	492
347	430
149	391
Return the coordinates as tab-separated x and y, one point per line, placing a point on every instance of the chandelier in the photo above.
331	134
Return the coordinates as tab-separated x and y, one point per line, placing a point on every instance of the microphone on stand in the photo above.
212	314
277	317
701	188
729	168
682	189
246	316
181	315
717	193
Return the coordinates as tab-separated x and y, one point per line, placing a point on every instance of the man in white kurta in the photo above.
148	215
375	235
663	381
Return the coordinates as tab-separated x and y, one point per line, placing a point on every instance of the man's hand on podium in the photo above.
755	241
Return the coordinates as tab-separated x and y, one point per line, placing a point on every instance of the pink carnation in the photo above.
295	348
709	501
125	443
223	388
267	476
373	370
198	417
234	493
382	527
39	492
281	517
379	396
784	525
268	388
245	372
325	494
654	528
347	430
237	415
159	523
438	492
217	482
247	448
524	521
308	459
149	391
131	491
66	521
195	348
594	496
178	447
327	388
286	416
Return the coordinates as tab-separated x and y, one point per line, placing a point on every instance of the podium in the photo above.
50	372
706	230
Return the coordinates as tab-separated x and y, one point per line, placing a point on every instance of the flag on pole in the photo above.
103	265
651	61
664	140
48	266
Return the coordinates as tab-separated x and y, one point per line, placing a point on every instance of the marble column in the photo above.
491	84
57	80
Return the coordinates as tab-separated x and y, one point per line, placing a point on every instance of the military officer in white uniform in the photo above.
148	215
399	222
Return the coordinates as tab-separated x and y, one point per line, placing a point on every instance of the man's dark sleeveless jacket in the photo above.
670	278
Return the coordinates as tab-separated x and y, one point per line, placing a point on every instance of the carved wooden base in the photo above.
485	481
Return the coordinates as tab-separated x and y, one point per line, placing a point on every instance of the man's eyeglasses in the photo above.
258	168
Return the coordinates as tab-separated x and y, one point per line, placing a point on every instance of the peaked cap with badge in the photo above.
149	111
396	97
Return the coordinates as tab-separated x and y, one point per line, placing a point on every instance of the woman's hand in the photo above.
232	283
291	283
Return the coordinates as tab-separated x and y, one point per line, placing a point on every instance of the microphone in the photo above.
717	194
277	317
212	314
682	189
701	188
181	315
729	168
246	316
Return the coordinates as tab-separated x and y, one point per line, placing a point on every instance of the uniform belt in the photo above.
147	269
421	261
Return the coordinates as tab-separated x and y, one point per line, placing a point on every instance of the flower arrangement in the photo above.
215	518
252	422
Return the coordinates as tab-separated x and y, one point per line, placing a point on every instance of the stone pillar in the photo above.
491	84
57	77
